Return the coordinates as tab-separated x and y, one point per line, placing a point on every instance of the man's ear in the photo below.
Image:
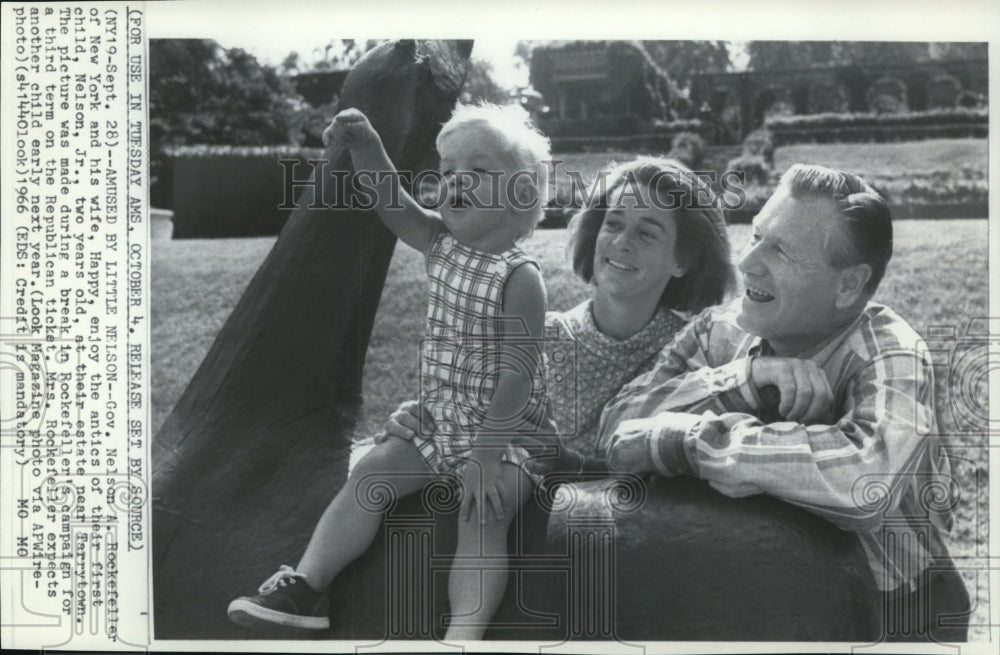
851	284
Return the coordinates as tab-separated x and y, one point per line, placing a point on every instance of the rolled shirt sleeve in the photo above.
704	422
877	468
684	379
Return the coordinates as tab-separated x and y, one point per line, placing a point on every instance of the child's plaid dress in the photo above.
460	356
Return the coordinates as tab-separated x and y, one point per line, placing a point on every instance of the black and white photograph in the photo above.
661	332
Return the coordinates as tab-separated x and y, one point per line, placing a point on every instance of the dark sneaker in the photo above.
283	600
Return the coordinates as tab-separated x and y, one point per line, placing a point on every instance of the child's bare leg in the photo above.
476	592
346	528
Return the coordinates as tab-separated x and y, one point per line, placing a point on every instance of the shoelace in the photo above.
280	578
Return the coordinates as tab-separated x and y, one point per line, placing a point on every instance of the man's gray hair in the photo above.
867	223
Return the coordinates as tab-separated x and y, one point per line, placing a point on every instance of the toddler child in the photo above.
481	364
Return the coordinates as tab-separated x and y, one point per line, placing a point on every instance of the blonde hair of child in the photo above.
522	144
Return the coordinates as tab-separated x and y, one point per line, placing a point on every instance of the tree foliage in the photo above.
338	54
682	60
667	67
201	93
480	85
779	55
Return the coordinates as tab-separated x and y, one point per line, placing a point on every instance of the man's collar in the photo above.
819	353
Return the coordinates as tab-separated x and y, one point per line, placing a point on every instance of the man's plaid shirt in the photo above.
874	467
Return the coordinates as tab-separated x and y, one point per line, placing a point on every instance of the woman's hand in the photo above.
409	420
482	485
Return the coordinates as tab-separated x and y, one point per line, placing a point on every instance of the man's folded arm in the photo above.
683	380
838	470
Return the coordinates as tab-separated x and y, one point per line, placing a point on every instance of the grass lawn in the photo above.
938	276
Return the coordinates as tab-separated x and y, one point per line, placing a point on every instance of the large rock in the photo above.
630	559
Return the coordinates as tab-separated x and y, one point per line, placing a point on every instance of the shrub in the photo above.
755	170
689	149
780	108
556	217
754	197
943	91
311	121
887	95
773	100
825	97
959	122
759	144
969	99
566	194
225	191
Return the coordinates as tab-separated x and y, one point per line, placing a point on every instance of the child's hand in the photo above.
483	485
352	129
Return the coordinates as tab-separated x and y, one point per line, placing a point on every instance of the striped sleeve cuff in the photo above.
747	389
668	447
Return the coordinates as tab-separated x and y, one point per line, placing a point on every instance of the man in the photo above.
851	438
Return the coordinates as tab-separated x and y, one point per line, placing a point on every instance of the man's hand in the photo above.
805	392
409	420
352	129
628	449
483	485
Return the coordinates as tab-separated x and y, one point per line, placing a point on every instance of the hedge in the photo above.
636	143
859	119
621	132
927	195
943	210
615	125
225	191
878	134
619	125
958	122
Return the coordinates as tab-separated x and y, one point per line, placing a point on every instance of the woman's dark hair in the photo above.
702	245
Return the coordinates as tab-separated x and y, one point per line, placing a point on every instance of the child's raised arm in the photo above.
412	223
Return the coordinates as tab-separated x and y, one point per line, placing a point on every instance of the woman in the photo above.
655	248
